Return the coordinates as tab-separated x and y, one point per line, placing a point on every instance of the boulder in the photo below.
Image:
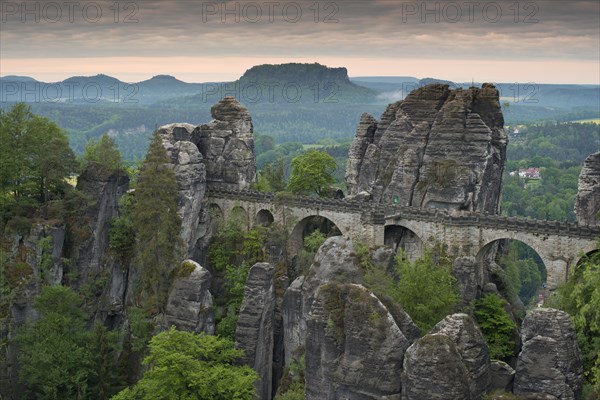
254	330
502	376
472	347
550	362
587	202
190	304
354	349
434	370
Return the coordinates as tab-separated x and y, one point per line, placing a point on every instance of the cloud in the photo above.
377	29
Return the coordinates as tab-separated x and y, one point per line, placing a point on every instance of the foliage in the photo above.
425	288
104	374
312	173
292	385
235	283
313	241
59	358
363	256
183	365
496	325
156	224
140	328
559	150
580	297
35	157
226	244
524	275
271	178
121	236
306	256
102	154
232	252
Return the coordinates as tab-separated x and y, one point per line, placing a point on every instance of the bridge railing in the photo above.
448	217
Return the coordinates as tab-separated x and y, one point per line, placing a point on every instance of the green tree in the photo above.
580	297
312	173
272	177
56	361
156	224
496	325
103	154
35	156
183	365
426	289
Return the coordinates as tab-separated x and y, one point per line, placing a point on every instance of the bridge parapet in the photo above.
446	217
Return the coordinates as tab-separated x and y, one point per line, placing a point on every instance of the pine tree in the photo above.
156	224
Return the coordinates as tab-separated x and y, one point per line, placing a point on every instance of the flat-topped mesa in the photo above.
437	148
587	202
227	145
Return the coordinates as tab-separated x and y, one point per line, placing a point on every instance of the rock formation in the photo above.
550	361
190	305
472	347
227	145
437	148
103	192
190	174
470	275
434	370
254	331
334	262
354	348
587	203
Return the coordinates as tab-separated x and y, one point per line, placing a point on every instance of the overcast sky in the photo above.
497	41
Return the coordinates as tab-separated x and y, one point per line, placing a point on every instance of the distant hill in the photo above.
293	83
94	89
291	102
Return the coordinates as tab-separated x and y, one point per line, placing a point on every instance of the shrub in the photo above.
496	325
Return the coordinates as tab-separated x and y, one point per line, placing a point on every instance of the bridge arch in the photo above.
264	218
515	253
400	237
240	215
215	211
308	225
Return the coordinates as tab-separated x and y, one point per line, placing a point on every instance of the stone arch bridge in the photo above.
559	244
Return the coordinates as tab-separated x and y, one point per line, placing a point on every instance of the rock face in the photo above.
471	278
550	361
227	145
472	347
437	148
190	305
354	348
254	331
104	191
587	203
334	262
190	173
434	370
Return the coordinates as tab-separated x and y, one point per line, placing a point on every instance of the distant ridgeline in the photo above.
291	102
